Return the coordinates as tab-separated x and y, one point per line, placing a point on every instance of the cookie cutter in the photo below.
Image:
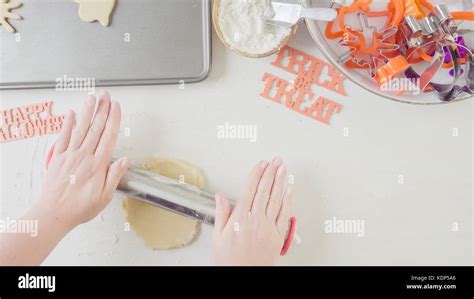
424	56
437	31
394	15
395	67
438	24
415	31
413	8
375	55
450	91
463	15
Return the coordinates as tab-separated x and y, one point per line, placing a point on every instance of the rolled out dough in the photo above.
96	10
160	228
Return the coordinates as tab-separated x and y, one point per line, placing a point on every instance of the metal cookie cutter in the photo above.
450	91
436	34
437	25
436	63
368	55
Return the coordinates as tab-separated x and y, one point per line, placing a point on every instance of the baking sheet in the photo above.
169	42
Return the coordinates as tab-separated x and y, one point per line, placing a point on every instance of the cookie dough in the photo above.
160	228
6	8
96	10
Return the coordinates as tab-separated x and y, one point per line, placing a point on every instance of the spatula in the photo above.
288	14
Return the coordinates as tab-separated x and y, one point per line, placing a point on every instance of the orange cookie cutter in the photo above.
383	45
369	55
414	8
394	14
395	67
463	15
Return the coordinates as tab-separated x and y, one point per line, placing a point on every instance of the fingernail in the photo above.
105	95
281	170
125	162
71	115
218	198
277	161
264	164
90	101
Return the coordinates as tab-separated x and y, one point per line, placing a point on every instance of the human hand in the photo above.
80	181
253	233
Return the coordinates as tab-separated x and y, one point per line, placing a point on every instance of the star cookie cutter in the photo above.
368	54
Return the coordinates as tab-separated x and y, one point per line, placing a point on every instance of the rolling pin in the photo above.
173	195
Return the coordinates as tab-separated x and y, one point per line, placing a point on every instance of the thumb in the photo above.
223	212
114	175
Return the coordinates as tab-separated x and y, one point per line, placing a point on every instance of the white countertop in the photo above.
402	169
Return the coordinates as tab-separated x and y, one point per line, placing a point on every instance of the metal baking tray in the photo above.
147	42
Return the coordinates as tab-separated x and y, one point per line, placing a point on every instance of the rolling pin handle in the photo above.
289	239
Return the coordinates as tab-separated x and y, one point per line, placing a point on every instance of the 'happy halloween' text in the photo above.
28	121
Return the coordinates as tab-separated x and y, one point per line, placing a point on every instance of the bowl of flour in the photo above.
241	27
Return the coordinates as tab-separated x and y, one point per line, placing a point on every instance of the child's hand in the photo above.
253	233
80	181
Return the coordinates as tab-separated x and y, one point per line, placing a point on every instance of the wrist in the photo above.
49	221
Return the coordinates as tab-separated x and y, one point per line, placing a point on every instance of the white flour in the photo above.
241	22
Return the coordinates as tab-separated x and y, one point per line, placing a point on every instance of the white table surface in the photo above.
347	177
